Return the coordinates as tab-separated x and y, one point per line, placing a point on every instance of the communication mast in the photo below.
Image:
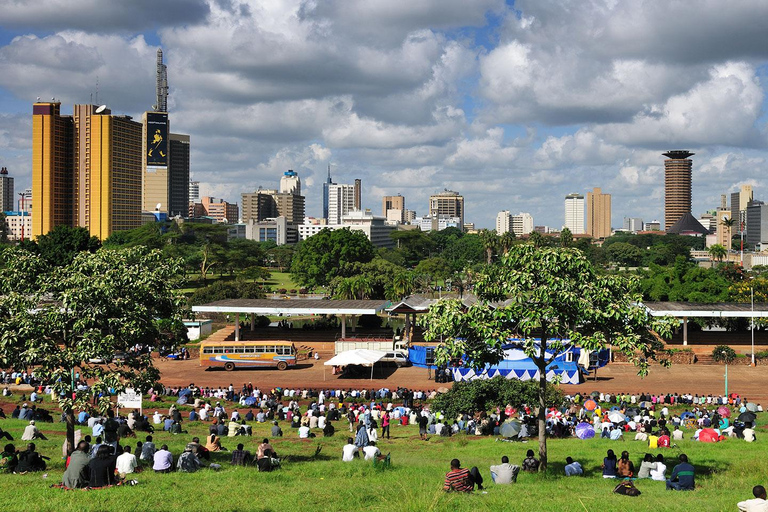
162	84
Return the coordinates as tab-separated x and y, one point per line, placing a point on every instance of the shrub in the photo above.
221	290
723	354
281	291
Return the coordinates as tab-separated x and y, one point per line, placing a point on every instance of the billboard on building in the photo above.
157	139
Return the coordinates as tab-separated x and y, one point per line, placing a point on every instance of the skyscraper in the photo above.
178	175
290	183
328	183
393	208
447	203
574	213
598	214
259	205
194	191
51	168
358	195
677	186
155	161
341	201
6	190
739	202
522	224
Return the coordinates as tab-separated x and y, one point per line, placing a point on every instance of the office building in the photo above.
709	221
723	233
437	223
290	206
448	204
654	225
18	225
739	202
155	147
290	183
503	222
217	209
574	213
393	208
757	225
259	205
52	163
328	182
633	224
375	228
269	204
194	191
178	175
25	201
677	186
277	230
341	201
358	195
522	224
598	214
410	216
6	191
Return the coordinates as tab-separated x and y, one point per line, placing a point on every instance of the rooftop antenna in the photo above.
161	84
97	89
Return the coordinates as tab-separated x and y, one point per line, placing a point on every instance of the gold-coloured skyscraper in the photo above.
598	214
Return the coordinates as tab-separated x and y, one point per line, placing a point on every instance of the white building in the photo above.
503	222
439	223
633	224
194	191
290	183
374	227
574	213
522	224
341	201
18	225
277	230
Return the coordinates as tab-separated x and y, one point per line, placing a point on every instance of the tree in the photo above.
57	319
490	243
63	243
323	256
625	254
717	252
566	238
506	241
553	294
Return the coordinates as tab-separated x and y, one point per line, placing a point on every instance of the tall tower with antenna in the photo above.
162	84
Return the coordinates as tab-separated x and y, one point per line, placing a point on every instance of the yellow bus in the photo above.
247	354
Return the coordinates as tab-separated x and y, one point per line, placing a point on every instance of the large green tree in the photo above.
544	296
62	244
55	320
323	256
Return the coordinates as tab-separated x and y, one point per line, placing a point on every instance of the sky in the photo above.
512	104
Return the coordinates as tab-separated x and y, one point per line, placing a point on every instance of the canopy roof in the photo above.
363	357
716	310
294	306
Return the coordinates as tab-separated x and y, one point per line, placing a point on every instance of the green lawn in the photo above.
726	473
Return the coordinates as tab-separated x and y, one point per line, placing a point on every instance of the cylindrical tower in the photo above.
677	186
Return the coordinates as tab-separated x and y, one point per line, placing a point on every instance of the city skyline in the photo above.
482	98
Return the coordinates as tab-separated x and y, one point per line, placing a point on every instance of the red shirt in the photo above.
458	480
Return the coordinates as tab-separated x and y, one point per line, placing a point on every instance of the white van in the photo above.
399	358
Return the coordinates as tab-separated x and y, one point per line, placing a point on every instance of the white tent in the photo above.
363	357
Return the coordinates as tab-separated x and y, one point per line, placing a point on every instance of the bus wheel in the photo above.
229	366
282	365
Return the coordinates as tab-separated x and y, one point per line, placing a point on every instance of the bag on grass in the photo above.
627	488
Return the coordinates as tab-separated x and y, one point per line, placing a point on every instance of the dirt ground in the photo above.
616	377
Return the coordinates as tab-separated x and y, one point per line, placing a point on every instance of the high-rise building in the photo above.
178	175
194	191
574	213
757	224
25	202
155	161
522	224
341	201
218	209
393	208
290	183
6	190
290	206
598	214
633	224
723	231
52	164
503	222
739	202
328	183
358	195
447	203
259	205
677	186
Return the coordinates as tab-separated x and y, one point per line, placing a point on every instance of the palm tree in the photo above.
490	243
402	284
506	241
717	252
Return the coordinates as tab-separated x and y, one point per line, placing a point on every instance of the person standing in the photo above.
385	424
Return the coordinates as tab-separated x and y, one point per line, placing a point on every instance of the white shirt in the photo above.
753	505
348	452
749	436
573	469
658	473
371	452
126	463
321	422
303	432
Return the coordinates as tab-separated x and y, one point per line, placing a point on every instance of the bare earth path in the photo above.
616	377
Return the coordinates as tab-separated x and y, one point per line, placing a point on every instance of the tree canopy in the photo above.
322	257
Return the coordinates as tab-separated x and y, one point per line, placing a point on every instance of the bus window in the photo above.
249	350
218	350
208	350
239	350
260	349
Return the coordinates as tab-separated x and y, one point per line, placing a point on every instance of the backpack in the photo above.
627	488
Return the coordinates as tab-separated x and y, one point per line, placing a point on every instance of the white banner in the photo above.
129	399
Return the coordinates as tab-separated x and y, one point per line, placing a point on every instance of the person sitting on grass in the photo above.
31	432
163	460
76	474
748	433
349	451
147	450
609	465
30	461
214	444
504	473
101	469
646	466
200	450
276	430
530	464
461	479
8	459
625	468
573	468
371	451
758	504
126	463
659	474
188	461
5	434
682	478
266	457
240	456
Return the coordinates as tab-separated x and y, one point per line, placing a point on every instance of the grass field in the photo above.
726	473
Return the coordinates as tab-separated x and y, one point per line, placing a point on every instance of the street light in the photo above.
752	319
